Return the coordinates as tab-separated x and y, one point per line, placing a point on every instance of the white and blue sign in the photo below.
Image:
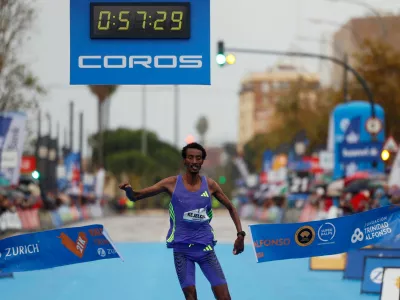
354	148
325	237
355	260
138	43
373	273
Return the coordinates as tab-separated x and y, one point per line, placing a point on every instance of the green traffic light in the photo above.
221	58
222	180
35	175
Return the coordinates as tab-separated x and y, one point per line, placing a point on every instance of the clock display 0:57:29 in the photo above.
140	20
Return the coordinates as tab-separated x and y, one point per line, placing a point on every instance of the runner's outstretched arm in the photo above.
158	188
218	193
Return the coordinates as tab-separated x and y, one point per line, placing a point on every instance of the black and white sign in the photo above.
299	182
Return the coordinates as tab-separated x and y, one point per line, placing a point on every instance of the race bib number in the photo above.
196	215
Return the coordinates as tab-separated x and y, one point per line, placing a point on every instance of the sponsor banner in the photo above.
85	212
95	211
75	213
45	218
334	262
355	260
65	214
390	289
12	137
10	221
56	219
325	237
29	219
373	272
55	248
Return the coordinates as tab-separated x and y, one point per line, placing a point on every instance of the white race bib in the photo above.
196	215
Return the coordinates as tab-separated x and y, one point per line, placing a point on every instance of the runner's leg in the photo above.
186	271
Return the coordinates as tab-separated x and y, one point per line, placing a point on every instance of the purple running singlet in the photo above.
191	235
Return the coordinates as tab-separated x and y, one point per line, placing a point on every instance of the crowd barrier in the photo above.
35	219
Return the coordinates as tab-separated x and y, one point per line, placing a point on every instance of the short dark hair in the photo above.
194	146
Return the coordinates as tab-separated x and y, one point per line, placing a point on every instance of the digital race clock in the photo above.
148	20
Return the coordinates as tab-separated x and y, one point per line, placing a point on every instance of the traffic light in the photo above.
385	155
221	58
35	175
222	180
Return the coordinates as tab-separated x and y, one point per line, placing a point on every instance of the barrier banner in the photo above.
373	272
390	289
56	248
335	262
325	237
96	211
45	218
84	212
74	213
10	221
33	220
65	214
355	260
56	219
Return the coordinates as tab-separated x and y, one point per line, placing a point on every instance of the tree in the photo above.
19	88
122	154
298	109
202	128
379	64
102	92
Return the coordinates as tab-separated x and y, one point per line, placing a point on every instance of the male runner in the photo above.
191	235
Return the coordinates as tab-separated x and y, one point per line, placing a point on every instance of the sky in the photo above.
277	26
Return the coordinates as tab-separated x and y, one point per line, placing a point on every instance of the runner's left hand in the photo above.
238	247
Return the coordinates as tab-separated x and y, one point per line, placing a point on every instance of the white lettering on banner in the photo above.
197	215
21	250
146	61
350	153
372	230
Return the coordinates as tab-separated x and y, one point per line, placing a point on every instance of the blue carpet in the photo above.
148	273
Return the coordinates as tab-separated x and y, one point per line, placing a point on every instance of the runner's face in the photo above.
193	160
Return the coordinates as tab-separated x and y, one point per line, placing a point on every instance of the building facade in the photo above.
348	39
260	92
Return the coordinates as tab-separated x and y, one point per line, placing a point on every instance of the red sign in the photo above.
28	164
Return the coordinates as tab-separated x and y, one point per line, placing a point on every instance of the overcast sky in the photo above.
277	23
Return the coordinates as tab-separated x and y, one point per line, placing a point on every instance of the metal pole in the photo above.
81	139
71	125
345	79
144	129
333	59
176	123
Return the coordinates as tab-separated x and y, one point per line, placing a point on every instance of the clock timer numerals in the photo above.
123	17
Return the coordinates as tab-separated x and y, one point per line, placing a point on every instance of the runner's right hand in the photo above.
124	186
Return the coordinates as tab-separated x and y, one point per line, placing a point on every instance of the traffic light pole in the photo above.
345	65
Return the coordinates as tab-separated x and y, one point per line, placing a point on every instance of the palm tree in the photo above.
102	92
202	128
